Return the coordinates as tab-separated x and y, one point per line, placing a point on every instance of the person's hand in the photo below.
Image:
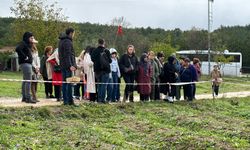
72	68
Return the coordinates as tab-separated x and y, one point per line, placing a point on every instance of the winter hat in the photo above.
112	50
26	37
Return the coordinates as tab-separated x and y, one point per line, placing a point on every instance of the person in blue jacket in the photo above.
188	74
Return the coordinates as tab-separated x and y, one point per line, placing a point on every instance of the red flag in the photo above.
119	30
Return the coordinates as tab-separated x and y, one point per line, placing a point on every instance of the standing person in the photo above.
197	66
187	74
88	67
25	61
144	78
35	70
113	87
178	67
129	67
216	80
160	59
46	71
56	74
67	62
155	75
79	73
170	76
102	59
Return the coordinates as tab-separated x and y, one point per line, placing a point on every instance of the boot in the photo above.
30	101
131	97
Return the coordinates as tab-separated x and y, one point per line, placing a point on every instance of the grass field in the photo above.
203	124
13	89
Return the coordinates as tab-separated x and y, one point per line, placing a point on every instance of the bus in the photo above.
232	68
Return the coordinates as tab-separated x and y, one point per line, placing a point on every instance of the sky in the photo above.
166	14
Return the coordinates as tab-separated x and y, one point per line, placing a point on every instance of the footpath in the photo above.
16	102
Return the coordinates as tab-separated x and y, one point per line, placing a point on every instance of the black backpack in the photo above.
104	61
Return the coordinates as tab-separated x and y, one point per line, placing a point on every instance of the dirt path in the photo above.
16	102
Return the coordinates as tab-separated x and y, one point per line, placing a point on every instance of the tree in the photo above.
45	21
165	47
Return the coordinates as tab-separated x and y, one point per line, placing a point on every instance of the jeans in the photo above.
67	87
102	88
113	88
27	75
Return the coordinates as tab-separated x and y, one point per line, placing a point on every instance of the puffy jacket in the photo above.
66	52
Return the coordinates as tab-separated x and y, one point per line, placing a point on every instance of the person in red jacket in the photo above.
144	78
56	74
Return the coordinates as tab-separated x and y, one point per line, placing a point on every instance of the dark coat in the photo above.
43	69
95	57
169	74
66	52
188	74
125	64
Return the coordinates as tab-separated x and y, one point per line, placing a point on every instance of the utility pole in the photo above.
210	20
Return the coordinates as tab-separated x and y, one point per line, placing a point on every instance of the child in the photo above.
114	76
216	79
144	78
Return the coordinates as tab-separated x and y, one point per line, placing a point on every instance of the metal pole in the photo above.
209	56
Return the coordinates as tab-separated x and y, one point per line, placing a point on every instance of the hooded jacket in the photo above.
24	49
170	71
66	52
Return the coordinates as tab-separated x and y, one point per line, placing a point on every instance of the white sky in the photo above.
167	14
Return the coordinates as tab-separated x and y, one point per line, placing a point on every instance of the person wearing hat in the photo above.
25	61
187	74
115	74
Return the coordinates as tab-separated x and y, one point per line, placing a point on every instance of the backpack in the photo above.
104	61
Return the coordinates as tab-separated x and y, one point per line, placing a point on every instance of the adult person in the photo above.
56	74
178	65
155	75
67	62
129	67
102	59
46	71
197	66
170	76
25	61
187	74
79	73
216	80
35	70
88	68
144	78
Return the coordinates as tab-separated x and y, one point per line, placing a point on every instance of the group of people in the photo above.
100	71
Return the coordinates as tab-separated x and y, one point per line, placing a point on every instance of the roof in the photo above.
226	52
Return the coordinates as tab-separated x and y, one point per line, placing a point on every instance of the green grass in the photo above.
205	124
13	89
